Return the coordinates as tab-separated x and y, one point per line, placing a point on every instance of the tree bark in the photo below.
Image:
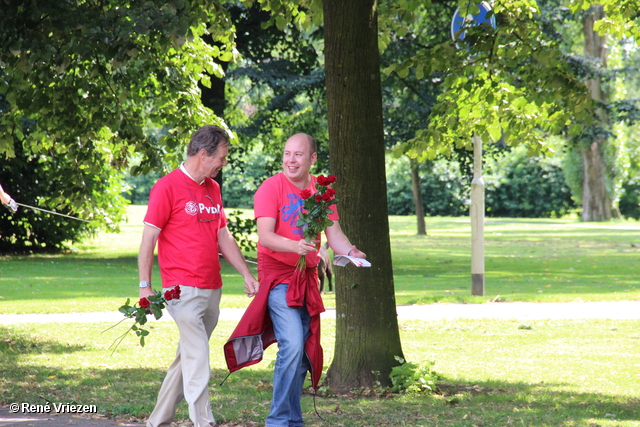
596	201
367	336
417	196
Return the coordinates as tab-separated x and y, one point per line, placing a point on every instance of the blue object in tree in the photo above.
463	19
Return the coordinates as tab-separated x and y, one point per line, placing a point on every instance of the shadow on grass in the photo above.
493	403
243	400
15	346
539	404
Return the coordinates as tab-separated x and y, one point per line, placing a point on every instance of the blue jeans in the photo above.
291	326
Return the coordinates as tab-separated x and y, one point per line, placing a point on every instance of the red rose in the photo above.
330	192
305	193
176	292
144	303
327	197
326	180
168	295
318	198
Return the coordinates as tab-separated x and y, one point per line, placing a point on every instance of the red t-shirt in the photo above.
189	216
280	199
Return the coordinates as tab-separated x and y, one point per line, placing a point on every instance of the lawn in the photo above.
555	260
582	373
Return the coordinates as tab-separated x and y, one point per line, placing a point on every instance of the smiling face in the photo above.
211	165
297	160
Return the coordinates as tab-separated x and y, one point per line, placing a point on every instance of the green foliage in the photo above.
77	192
573	172
629	203
513	184
408	98
87	83
247	169
277	87
445	190
627	190
242	229
87	71
413	378
512	80
621	17
139	187
518	185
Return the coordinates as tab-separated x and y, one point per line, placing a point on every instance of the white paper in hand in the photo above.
343	260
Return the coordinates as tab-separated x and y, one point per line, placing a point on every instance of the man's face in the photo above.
213	164
297	158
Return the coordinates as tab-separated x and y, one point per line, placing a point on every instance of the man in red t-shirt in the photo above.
186	219
276	207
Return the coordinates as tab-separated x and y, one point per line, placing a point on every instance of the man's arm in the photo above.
270	240
340	243
7	201
4	197
231	252
145	257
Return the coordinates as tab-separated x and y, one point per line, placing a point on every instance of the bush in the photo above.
243	177
515	186
630	199
139	187
32	181
413	378
444	190
242	229
519	186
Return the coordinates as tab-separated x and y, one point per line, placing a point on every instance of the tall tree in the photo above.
87	83
416	189
365	343
605	65
596	201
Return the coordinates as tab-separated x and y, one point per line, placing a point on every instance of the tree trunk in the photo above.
417	196
596	201
367	336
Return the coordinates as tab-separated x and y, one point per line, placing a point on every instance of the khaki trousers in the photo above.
196	314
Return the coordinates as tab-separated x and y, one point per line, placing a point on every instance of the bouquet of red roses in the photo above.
314	217
151	305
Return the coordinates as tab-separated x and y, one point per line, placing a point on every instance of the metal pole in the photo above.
52	212
477	220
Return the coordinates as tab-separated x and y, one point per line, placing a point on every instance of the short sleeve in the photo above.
265	201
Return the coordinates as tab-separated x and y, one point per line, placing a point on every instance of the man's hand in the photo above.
251	286
12	206
357	253
146	292
304	248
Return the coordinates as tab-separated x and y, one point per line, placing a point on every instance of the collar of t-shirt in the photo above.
183	169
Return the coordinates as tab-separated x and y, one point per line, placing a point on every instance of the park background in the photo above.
100	98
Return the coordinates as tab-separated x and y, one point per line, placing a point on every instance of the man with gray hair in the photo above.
186	219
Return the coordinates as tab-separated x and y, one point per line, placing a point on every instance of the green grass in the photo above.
555	260
580	373
525	260
549	373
